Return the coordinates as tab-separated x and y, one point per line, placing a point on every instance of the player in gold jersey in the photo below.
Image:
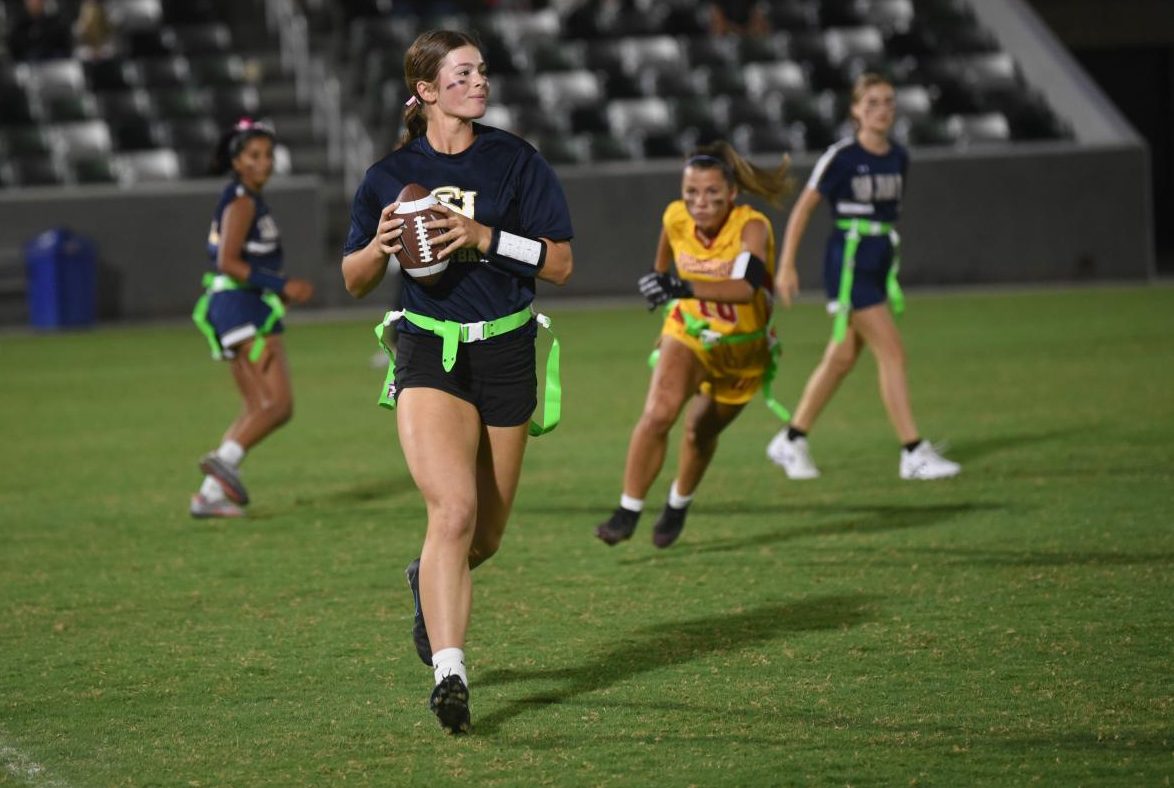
714	268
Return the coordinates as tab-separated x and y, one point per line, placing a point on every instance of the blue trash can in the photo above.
61	269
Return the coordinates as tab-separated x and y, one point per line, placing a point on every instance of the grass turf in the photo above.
1009	626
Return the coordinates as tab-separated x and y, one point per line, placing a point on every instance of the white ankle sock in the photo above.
676	500
448	662
231	452
211	490
631	504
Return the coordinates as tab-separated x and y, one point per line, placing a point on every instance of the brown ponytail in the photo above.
422	64
774	185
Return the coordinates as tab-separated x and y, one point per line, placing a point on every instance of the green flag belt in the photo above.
219	283
452	334
699	328
857	229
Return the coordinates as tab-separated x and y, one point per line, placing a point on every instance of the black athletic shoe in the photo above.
419	632
228	476
669	526
450	704
618	527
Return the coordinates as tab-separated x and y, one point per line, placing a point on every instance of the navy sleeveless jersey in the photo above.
262	244
500	181
861	185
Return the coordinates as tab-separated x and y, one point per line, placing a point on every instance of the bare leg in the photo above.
675	379
440	434
838	360
703	423
499	465
266	390
875	325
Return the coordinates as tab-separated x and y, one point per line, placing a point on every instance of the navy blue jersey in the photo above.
263	242
859	184
500	181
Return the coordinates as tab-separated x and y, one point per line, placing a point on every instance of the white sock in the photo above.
448	662
211	490
676	500
632	504
231	452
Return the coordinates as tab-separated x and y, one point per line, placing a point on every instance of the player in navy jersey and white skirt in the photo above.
240	313
462	424
862	177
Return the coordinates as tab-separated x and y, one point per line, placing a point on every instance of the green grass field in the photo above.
1011	626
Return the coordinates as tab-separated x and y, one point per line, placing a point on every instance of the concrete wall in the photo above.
151	239
1033	213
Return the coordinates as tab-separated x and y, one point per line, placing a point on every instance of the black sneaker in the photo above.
228	476
618	527
450	704
419	632
669	526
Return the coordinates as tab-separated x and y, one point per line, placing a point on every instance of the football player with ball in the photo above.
464	381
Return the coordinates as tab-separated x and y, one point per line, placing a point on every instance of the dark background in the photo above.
1127	46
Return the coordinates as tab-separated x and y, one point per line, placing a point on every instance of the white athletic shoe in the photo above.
792	456
924	462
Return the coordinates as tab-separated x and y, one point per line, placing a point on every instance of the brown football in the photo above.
418	258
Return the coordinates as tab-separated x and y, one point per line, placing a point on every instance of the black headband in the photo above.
706	160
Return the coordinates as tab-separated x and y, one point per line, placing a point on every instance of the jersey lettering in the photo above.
456	198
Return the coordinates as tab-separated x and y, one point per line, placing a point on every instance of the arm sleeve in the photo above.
542	206
364	219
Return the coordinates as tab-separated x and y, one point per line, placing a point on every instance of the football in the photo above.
418	258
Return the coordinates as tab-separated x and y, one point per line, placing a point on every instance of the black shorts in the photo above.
496	377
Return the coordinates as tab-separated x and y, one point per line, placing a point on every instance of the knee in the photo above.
840	362
657	420
278	411
451	519
698	436
483	548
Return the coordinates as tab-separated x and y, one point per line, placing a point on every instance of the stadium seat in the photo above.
136	133
52	77
842	13
26	141
793	15
218	69
731	111
275	98
764	49
663	145
603	146
675	83
932	131
686	19
710	51
699	114
913	101
125	103
37	171
181	103
69	108
891	16
511	89
554	55
149	42
534	121
561	149
639	116
230	104
989	127
561	90
110	74
82	139
784	77
93	169
15	109
658	52
588	119
202	39
500	116
132	14
148	166
621	84
165	72
515	26
843	43
200	134
721	80
769	138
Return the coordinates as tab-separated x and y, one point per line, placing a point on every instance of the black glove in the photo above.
658	289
